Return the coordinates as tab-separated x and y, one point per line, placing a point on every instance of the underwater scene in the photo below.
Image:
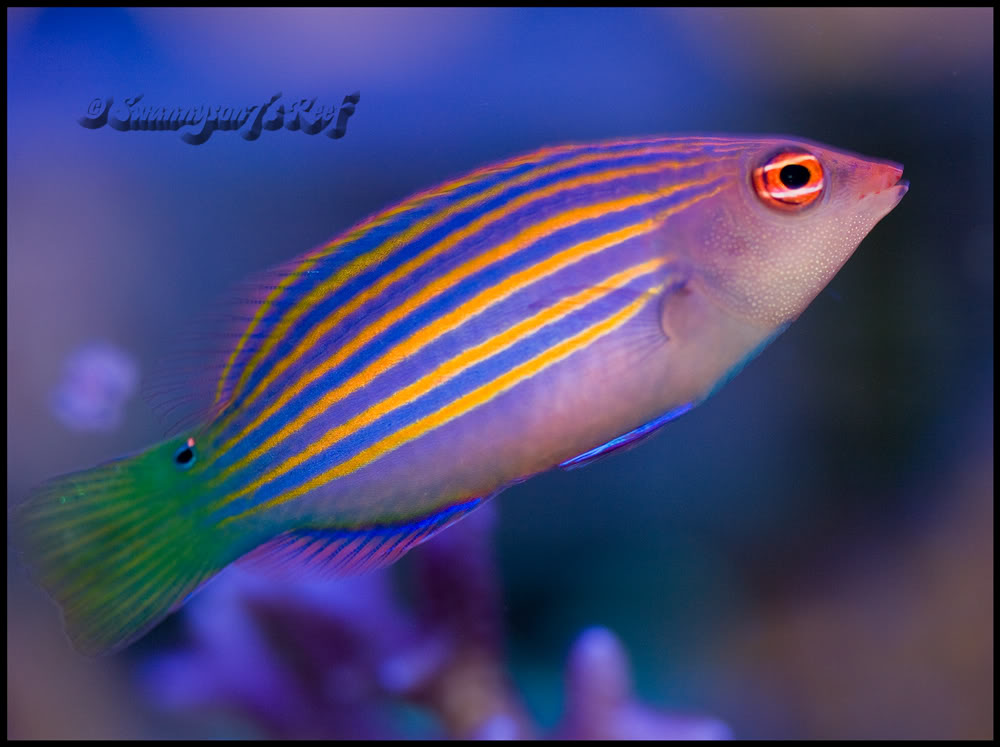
500	373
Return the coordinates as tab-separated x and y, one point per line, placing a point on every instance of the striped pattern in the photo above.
583	155
429	310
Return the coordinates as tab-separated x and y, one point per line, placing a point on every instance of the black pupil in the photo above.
185	455
794	175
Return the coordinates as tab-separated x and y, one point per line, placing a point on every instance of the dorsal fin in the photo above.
194	381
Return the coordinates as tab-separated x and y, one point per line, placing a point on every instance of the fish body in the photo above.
537	312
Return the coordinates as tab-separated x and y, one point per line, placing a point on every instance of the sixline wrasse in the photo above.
538	312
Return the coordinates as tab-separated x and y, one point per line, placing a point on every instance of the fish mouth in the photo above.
895	176
901	187
902	184
891	180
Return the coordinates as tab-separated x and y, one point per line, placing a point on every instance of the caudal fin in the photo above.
117	548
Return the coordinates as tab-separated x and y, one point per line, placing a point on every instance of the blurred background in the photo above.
807	555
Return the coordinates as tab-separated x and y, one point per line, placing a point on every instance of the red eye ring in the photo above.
790	180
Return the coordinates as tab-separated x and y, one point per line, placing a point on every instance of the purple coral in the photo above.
600	704
98	379
331	659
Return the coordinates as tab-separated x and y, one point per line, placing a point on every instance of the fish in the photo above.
544	311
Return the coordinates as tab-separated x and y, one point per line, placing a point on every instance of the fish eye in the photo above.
185	455
789	180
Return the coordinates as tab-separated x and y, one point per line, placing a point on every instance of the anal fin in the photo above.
340	551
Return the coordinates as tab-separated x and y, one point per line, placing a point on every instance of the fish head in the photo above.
791	215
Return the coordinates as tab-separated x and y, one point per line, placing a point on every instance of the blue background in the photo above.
809	554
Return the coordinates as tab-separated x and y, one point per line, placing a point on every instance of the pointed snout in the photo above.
881	177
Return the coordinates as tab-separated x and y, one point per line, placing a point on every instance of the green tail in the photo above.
119	546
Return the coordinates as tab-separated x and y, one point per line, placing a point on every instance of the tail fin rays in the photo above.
117	548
